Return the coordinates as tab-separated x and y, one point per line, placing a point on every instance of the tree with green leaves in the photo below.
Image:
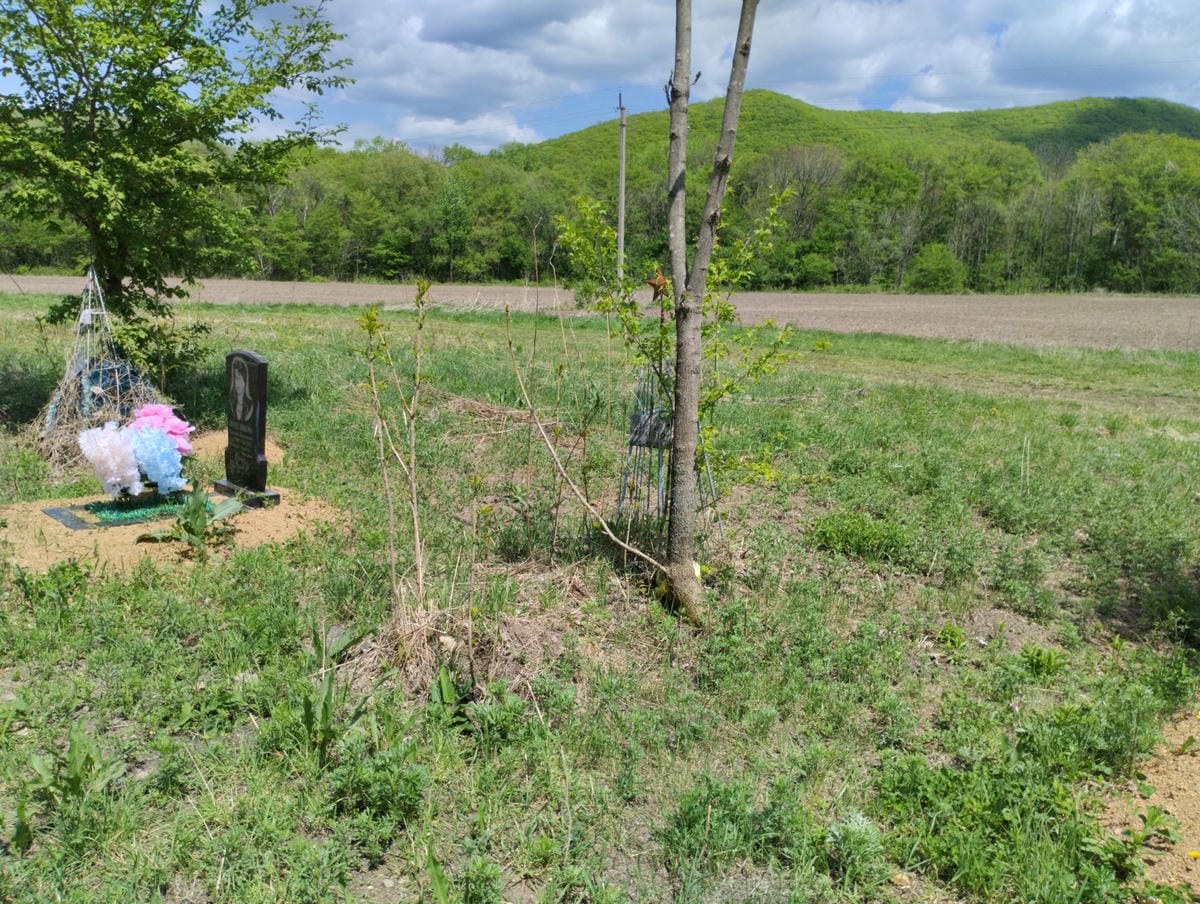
131	118
935	269
455	215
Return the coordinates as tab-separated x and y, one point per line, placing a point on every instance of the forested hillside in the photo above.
1063	197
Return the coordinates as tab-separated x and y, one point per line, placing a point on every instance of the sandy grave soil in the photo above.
34	540
1090	321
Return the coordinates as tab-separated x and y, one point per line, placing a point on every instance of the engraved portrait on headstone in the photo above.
246	410
241	400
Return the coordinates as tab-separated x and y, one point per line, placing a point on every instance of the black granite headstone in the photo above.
246	414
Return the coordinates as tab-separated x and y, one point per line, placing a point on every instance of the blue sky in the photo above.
482	72
486	72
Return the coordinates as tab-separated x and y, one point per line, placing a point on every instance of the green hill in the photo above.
1070	195
1054	132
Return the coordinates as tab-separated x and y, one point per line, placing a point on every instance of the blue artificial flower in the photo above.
158	458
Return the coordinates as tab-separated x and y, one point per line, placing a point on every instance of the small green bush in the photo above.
935	269
858	535
717	823
378	792
815	270
854	848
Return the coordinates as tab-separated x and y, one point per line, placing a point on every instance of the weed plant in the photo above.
947	620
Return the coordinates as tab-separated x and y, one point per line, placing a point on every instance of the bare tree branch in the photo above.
558	465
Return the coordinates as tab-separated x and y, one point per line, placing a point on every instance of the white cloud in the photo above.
433	73
480	133
487	23
485	72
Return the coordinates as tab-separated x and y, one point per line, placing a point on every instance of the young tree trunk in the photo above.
689	292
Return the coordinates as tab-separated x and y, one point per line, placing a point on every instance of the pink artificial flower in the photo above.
163	417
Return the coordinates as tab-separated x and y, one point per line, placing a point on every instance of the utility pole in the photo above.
621	195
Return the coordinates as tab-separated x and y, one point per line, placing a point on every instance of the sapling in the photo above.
397	437
196	522
733	361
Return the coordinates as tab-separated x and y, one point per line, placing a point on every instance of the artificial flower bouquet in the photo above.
150	450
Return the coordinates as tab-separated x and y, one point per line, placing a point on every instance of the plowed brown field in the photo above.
1089	321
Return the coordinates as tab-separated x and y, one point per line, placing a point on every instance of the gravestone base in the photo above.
119	512
248	497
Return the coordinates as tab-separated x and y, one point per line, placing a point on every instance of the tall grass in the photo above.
947	616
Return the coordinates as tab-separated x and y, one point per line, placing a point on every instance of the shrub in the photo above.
815	270
859	535
935	269
377	792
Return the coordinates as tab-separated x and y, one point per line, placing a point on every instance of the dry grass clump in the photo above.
98	386
92	393
514	647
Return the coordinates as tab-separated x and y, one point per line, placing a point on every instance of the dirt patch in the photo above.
1078	321
1174	774
34	540
526	299
384	884
988	624
1097	320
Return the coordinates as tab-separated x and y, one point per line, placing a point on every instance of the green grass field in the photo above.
953	598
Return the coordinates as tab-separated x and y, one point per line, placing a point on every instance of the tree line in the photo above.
913	202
